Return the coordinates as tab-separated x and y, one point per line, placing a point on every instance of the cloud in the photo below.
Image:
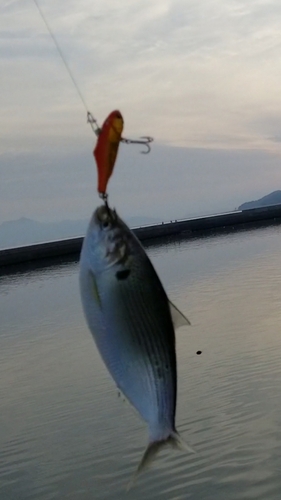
196	75
199	73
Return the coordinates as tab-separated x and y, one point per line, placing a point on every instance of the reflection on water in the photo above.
64	433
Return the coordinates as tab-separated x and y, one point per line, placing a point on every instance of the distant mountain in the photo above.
270	199
25	231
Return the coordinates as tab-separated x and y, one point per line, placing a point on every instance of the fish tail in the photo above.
174	440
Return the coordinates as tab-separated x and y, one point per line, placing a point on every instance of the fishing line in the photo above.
61	55
106	148
146	140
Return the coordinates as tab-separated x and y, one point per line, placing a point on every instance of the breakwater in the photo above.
188	227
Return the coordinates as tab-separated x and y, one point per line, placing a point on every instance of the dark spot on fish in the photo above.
159	372
123	275
166	367
199	352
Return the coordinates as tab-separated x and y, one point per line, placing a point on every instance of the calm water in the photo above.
65	434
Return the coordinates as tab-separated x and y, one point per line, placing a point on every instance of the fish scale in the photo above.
153	354
155	345
158	358
124	352
143	347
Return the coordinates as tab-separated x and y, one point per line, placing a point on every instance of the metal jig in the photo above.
145	143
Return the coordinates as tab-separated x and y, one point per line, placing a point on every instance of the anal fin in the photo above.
178	318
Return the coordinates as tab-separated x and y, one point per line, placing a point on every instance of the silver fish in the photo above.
132	322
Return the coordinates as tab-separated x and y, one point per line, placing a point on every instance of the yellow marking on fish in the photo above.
95	290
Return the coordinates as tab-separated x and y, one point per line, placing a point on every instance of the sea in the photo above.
66	434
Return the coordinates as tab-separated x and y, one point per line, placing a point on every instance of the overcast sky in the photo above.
201	77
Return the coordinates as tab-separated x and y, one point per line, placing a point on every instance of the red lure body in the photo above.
106	149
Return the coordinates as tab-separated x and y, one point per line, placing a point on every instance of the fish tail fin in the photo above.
174	440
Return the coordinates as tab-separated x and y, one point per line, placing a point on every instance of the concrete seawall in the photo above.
60	248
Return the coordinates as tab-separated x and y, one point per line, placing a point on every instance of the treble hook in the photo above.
104	197
146	143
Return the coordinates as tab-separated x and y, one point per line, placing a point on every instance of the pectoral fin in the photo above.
178	318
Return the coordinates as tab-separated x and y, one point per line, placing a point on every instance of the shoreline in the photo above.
187	227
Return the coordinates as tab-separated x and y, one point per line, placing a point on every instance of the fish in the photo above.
133	324
106	149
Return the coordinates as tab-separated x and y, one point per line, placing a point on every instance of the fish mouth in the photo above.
105	217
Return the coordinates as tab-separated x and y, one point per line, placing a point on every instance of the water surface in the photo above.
64	433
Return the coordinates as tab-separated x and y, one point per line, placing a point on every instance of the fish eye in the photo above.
105	222
104	217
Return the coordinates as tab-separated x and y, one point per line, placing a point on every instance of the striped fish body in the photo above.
129	316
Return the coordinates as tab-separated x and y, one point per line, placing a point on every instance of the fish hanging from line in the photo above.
133	324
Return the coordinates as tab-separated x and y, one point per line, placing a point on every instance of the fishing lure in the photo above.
105	152
109	135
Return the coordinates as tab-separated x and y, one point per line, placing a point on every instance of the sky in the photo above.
202	78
